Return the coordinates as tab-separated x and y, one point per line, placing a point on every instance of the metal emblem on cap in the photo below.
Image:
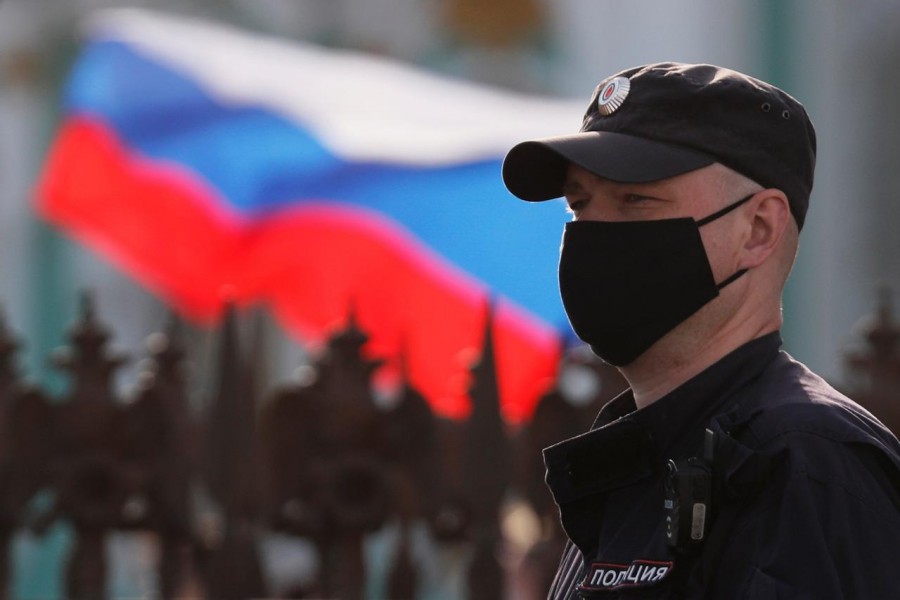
613	95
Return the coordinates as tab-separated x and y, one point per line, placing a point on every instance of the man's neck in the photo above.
672	362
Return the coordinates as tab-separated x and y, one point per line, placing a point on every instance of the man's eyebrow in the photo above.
571	187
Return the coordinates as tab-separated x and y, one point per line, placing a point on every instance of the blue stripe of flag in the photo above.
259	162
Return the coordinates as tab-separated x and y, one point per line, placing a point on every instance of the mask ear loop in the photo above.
737	274
722	213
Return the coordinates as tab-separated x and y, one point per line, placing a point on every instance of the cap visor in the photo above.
536	170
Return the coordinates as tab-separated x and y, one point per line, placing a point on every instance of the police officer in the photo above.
728	470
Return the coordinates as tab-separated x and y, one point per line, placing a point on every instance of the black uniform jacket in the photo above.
806	494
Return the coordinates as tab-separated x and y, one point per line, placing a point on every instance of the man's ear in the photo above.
770	214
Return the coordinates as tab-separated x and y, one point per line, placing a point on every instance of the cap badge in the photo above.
613	95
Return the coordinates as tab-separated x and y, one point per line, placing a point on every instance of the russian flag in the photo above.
199	157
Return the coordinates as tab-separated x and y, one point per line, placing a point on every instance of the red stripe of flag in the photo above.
162	225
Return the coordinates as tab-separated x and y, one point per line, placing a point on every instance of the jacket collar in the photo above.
627	445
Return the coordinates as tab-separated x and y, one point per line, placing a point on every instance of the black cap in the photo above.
657	121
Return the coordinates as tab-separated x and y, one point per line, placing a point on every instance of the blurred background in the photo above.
838	57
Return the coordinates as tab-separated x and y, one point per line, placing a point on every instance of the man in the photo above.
727	470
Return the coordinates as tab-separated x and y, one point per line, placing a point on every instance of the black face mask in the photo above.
626	284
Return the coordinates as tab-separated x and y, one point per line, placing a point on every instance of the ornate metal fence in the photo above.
322	460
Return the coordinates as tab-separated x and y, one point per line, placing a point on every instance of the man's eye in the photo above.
636	198
576	205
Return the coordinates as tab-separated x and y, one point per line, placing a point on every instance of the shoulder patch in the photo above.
611	576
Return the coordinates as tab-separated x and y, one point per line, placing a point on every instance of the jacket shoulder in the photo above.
812	432
791	401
